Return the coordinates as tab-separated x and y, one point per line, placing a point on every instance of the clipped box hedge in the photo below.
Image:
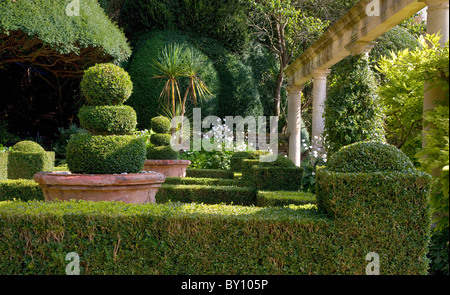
284	198
20	189
23	165
206	194
210	173
383	212
3	165
204	181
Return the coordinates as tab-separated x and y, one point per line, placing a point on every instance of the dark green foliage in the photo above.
106	84
3	165
161	153
6	138
62	138
236	158
280	161
146	98
160	139
27	158
388	208
27	146
275	178
283	198
352	111
438	255
160	124
203	181
224	21
206	194
87	154
369	157
108	120
210	173
21	189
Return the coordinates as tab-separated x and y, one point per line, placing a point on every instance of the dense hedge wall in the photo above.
206	194
389	209
210	173
175	239
23	165
283	198
20	189
3	165
203	181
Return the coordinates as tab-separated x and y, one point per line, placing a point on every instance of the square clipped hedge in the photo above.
209	173
284	198
389	211
20	189
206	194
23	165
203	181
3	165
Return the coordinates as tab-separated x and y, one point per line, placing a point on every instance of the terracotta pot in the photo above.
170	168
129	188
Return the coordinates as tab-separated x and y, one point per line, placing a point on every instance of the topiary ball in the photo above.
161	153
106	84
108	120
367	157
158	139
161	124
88	154
28	146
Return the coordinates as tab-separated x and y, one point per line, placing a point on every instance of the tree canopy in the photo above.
43	34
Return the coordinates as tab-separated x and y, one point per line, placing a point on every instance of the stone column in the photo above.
360	47
294	122
437	21
319	97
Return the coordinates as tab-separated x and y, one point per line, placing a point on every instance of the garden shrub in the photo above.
27	158
20	189
88	154
352	110
106	84
160	139
198	239
210	173
236	158
3	164
160	124
284	198
203	181
161	153
107	120
206	194
439	250
62	138
369	157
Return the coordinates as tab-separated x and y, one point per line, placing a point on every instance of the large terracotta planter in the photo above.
129	188
170	168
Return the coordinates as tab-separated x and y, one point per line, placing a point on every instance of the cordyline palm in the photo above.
176	62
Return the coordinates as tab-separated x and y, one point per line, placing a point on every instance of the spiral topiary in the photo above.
159	147
110	149
368	157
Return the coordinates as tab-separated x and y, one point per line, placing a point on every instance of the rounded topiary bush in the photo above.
158	139
161	153
106	120
28	146
106	84
110	154
367	157
160	124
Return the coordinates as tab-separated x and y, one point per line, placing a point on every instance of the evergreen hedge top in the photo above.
279	162
367	157
28	146
106	84
47	20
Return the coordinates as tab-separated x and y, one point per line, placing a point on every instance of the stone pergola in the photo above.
353	34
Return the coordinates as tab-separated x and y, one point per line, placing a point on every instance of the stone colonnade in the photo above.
359	29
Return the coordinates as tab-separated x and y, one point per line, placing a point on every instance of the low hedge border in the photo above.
204	181
3	165
210	173
283	198
21	189
23	165
206	194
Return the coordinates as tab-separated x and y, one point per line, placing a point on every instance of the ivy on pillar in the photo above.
319	97
294	122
